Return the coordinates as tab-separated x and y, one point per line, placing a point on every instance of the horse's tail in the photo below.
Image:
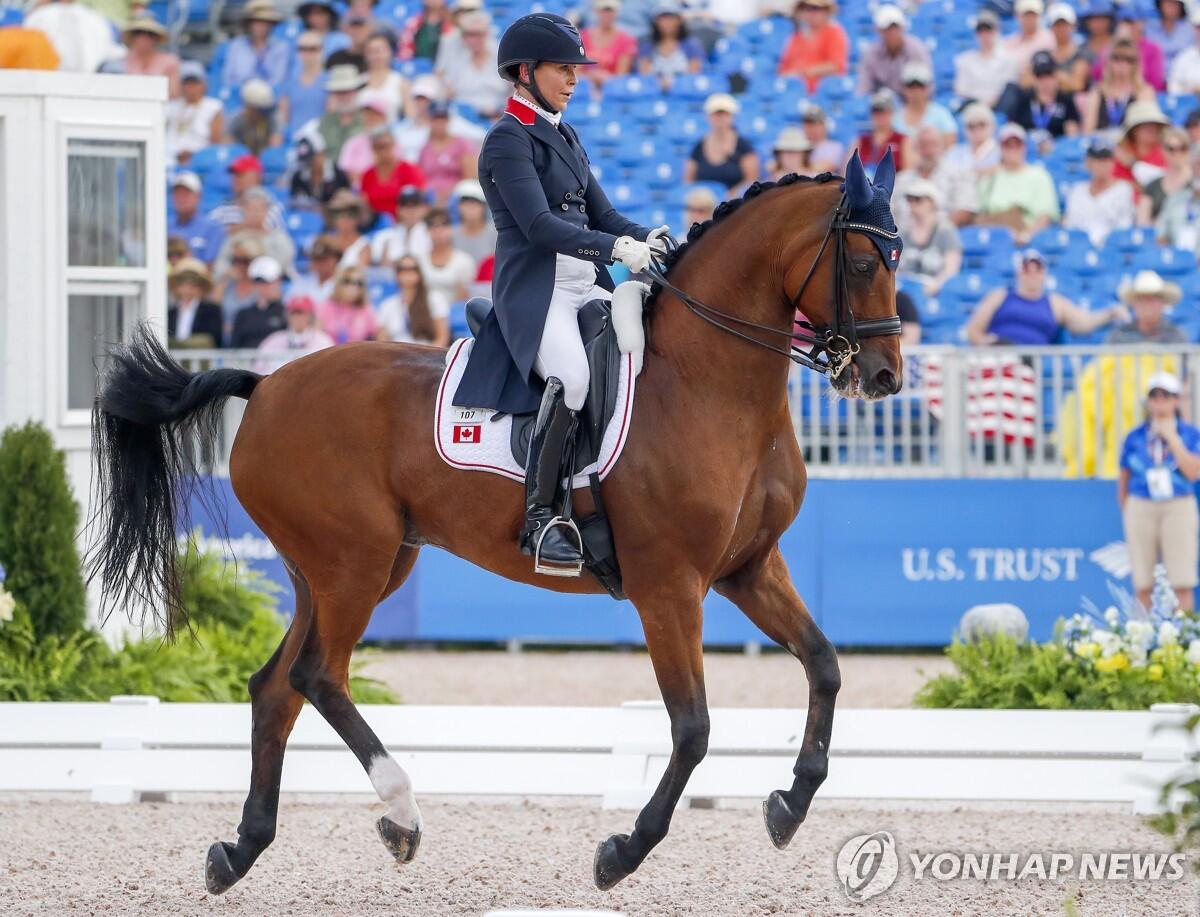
153	424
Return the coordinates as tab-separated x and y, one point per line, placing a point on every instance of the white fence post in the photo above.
645	734
118	773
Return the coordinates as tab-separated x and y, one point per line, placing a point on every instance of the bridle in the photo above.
832	346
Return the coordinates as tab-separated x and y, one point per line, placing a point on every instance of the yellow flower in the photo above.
1154	672
1088	650
1114	663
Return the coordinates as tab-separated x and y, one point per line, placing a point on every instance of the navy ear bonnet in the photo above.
870	209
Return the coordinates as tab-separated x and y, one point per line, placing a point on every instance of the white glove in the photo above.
657	239
633	254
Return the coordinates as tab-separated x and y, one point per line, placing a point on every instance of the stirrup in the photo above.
554	570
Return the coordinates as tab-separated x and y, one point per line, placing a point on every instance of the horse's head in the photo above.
852	287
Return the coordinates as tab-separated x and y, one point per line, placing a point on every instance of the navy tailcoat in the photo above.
544	201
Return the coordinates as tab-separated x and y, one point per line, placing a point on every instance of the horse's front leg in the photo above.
765	594
672	621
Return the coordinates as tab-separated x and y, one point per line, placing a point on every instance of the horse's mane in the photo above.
725	209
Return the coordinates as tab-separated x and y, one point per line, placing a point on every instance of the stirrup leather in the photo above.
556	569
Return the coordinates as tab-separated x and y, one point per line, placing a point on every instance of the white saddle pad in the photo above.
471	440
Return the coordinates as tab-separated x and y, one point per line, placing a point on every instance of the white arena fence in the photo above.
135	745
963	412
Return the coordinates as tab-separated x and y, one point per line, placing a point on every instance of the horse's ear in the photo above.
858	187
885	173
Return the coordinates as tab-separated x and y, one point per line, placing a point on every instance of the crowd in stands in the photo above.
323	185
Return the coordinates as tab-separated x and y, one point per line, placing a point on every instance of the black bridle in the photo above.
832	346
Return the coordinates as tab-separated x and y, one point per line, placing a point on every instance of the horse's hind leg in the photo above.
341	609
275	704
765	594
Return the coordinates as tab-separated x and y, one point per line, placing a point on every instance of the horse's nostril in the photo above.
886	382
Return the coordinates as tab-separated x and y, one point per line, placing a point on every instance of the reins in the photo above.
833	346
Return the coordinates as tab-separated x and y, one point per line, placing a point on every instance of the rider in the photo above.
555	231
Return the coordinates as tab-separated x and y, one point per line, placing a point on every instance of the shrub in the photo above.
38	520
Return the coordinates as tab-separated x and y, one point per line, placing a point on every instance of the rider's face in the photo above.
556	82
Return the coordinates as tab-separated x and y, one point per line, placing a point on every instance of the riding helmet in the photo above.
539	37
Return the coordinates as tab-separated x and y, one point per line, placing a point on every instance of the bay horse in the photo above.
335	461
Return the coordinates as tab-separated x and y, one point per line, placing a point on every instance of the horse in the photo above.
335	461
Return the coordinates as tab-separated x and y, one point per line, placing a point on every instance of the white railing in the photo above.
963	412
118	751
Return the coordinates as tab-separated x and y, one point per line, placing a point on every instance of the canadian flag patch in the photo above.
467	432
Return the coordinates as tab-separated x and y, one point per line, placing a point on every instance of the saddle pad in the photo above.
474	439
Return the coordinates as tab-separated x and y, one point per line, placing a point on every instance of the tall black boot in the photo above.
553	435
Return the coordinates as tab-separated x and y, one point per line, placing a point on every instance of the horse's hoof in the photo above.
607	868
401	842
219	874
781	821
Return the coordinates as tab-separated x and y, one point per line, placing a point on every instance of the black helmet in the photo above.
539	37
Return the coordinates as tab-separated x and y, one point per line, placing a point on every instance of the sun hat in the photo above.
1149	283
258	93
262	11
923	187
148	24
721	101
1143	111
191	269
344	78
792	140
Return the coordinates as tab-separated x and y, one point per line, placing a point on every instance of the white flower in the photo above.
1109	642
1168	634
7	604
1112	616
1137	656
1193	652
1140	633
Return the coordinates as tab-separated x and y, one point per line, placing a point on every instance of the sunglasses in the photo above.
1122	59
976	124
308	48
406	267
1175	148
352	281
240	260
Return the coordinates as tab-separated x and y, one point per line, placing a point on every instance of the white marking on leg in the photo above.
395	788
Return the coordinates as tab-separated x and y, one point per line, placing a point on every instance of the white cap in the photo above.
258	94
468	189
1011	129
189	180
265	268
1061	12
1168	382
428	86
890	15
1029	6
916	72
923	187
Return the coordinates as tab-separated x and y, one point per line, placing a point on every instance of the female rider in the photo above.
555	231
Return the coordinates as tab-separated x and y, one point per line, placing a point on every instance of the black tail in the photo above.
153	424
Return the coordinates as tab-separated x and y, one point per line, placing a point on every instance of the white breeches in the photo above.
560	352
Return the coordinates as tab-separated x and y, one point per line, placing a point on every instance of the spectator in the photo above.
1185	69
919	107
446	159
1028	315
604	41
1176	178
1156	495
192	321
424	31
1149	296
1101	204
1171	31
320	18
1070	57
1177	224
415	313
699	203
1031	35
234	288
323	257
790	154
177	250
820	47
981	74
257	54
1191	124
256	207
446	270
382	182
82	38
1106	102
256	127
827	154
451	51
981	151
247	174
346	215
883	61
883	134
475	81
347	316
203	235
1045	111
413	133
312	179
958	193
722	155
669	51
253	323
1018	194
383	84
475	234
1099	23
1140	155
194	120
357	154
410	235
1152	60
300	338
26	49
910	319
303	98
144	37
932	248
343	117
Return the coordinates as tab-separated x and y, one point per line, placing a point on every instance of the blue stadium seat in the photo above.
1123	244
274	161
1083	261
983	241
1054	241
379	290
631	89
303	224
216	158
1170	262
697	86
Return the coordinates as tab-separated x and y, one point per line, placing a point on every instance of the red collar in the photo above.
522	113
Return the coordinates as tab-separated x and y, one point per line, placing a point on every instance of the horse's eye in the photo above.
862	265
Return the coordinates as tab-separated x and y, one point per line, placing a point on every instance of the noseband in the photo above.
831	347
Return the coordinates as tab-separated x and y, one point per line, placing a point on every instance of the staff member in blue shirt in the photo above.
1160	463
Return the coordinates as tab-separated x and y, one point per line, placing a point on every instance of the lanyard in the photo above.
1116	110
1042	115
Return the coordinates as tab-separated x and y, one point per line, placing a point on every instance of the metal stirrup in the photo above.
562	570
